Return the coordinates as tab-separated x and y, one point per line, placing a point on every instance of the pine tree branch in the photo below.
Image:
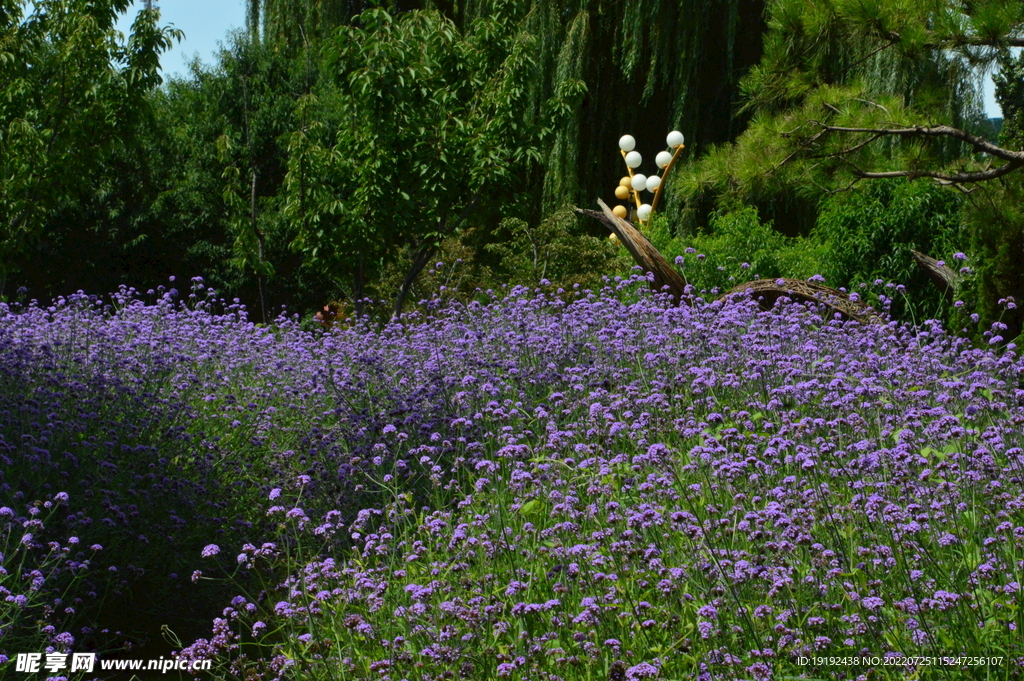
951	42
953	179
945	178
1014	159
980	144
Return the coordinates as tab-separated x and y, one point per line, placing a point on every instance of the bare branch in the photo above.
786	135
946	178
790	133
965	41
858	147
843	189
875	104
980	144
869	55
1014	159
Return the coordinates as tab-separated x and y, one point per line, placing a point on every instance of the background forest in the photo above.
336	151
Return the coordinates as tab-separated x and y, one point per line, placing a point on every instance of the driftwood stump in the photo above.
942	276
642	250
767	291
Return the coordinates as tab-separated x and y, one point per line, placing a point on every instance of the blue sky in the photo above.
205	22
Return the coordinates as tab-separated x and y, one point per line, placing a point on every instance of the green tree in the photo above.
860	90
261	87
1009	82
72	92
647	65
848	92
421	130
214	192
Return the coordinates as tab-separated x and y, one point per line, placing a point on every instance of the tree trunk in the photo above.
260	278
419	262
357	289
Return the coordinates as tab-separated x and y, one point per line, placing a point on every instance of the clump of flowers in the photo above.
578	485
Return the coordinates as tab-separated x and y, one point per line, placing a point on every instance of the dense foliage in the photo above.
561	484
72	92
259	170
333	150
850	94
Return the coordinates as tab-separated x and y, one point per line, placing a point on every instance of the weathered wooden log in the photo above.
770	290
941	275
643	251
767	291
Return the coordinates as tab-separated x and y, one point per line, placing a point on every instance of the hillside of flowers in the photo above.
539	485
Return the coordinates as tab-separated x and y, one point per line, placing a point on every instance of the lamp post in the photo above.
632	185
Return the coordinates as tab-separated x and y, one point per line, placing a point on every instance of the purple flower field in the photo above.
549	485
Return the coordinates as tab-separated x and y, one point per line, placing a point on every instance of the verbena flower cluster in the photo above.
550	484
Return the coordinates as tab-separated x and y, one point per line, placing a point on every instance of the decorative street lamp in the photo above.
632	185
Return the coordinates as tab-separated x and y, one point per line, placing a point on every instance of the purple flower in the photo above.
210	550
708	611
591	443
644	670
872	602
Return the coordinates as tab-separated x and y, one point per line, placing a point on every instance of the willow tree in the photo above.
639	66
292	26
